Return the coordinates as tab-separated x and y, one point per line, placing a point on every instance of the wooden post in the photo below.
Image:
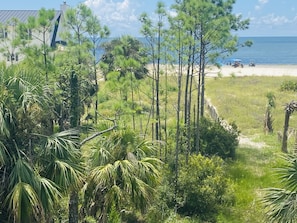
285	135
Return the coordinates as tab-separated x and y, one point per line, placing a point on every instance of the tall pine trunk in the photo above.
177	140
187	105
74	123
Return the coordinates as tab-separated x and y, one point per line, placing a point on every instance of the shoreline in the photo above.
258	70
228	70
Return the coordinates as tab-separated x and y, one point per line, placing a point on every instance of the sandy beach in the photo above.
258	70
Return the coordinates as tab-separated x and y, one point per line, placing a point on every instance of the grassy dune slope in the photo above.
243	100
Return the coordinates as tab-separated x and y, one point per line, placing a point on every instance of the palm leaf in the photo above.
114	196
23	202
48	193
103	175
280	205
142	193
149	170
62	145
288	173
26	89
127	172
3	154
28	99
100	154
145	149
66	174
5	118
124	172
61	159
22	172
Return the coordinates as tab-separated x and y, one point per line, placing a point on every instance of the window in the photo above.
3	33
29	34
12	57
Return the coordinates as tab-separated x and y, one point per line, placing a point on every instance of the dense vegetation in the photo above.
263	172
121	140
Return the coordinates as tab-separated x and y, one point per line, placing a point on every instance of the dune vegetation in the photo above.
243	100
127	136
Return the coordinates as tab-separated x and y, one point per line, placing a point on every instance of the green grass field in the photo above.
243	100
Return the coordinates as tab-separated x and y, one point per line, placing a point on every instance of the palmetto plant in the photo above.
123	174
35	168
281	203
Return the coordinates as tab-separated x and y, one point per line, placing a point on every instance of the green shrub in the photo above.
103	97
215	139
113	216
204	187
289	86
175	218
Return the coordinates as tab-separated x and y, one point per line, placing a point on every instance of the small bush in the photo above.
204	187
289	86
217	140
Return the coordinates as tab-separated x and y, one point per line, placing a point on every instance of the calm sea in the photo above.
265	50
268	50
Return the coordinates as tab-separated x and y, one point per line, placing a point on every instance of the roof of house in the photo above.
21	15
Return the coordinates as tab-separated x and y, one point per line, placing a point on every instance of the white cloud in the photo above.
260	4
117	15
272	19
294	19
172	13
94	3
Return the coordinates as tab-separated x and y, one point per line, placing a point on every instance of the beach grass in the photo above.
242	100
251	173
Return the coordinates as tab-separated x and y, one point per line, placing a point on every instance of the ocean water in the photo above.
268	50
265	50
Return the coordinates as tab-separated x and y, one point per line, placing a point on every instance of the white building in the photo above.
11	53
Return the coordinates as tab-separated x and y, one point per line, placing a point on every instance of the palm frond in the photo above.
149	170
288	173
23	202
141	194
103	175
28	99
3	154
22	172
100	156
26	90
66	174
5	119
280	205
48	193
63	145
114	196
124	171
145	149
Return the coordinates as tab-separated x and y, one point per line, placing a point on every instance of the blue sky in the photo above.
267	17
